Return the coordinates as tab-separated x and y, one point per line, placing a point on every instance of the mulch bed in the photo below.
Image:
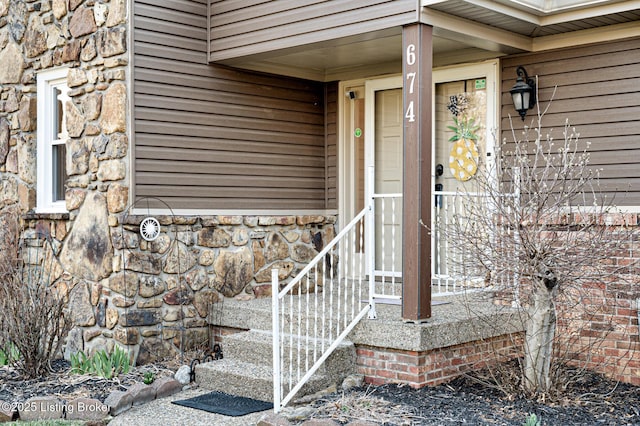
593	401
66	386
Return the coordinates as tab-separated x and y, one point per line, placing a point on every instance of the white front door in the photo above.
383	152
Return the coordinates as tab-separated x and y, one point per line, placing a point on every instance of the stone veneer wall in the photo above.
160	297
153	298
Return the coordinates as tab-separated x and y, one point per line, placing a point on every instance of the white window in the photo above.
52	138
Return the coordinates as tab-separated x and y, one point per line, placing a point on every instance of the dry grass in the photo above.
364	405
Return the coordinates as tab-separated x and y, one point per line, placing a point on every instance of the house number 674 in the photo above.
411	78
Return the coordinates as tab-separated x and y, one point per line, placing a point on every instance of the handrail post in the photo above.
370	241
275	308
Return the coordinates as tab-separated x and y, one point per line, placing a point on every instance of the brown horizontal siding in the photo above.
597	89
212	137
239	28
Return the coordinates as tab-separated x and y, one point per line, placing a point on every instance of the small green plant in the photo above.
80	363
532	420
101	364
148	377
9	354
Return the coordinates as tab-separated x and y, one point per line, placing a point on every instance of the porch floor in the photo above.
454	320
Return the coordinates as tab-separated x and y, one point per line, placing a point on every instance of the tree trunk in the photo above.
541	328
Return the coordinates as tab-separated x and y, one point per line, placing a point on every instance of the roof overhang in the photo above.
533	25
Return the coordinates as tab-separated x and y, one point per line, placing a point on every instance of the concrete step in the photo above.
249	380
255	347
246	369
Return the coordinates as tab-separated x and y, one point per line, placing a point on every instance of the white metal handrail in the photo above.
315	312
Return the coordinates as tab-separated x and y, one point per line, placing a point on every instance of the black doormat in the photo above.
228	405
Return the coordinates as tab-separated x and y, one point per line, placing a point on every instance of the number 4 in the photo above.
410	115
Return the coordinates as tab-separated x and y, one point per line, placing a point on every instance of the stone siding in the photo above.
153	298
158	298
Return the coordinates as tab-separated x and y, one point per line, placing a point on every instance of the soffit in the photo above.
540	18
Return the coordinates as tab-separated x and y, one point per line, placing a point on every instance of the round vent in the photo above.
150	228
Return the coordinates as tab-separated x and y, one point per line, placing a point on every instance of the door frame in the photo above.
346	158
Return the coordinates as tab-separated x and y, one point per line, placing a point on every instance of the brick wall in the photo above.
436	366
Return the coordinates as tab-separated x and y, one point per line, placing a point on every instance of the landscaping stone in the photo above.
41	408
6	412
142	393
323	422
119	402
299	413
87	409
166	386
272	419
183	375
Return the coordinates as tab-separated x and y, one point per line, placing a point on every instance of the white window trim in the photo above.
47	80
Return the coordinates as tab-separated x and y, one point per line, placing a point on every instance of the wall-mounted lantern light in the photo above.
523	92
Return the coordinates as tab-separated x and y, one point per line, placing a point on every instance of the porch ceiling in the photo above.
348	59
464	31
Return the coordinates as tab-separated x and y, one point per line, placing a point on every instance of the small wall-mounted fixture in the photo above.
523	92
351	94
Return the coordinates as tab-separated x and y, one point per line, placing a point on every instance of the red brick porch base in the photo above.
435	366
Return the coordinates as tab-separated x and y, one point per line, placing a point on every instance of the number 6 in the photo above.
411	54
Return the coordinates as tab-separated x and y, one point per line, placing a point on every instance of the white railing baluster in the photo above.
393	246
275	319
306	352
299	339
315	314
383	268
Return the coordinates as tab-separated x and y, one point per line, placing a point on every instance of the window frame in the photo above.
47	82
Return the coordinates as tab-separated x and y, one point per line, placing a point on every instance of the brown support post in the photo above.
416	207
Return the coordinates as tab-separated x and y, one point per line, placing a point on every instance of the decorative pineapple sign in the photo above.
463	157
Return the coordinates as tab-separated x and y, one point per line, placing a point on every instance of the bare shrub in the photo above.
32	313
545	238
